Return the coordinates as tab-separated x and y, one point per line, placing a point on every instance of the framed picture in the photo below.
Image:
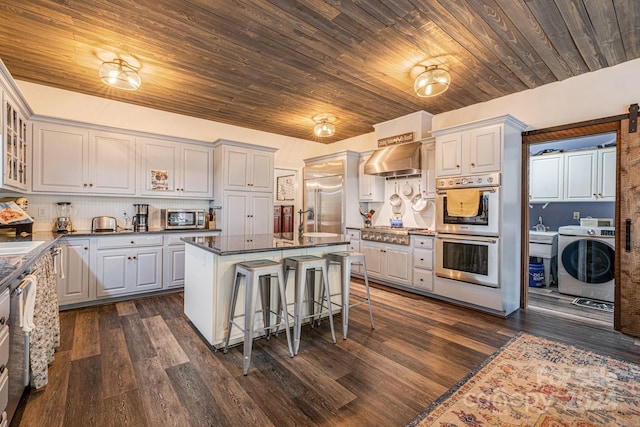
159	180
285	187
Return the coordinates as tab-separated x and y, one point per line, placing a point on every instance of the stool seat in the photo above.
346	259
257	274
305	267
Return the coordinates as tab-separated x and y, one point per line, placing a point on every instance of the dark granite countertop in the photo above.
12	266
233	245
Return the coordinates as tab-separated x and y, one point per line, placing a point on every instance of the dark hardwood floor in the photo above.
140	363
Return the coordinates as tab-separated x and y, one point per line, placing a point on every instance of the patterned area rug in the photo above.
534	381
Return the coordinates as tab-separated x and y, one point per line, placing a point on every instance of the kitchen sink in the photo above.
19	248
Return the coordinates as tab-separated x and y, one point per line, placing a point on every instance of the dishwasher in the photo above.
16	316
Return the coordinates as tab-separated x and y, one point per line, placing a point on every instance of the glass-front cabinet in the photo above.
15	145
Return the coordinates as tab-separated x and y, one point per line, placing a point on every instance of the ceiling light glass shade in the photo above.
431	82
324	128
118	73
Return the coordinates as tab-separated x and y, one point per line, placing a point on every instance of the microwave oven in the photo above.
176	219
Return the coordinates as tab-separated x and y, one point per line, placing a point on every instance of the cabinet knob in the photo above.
473	165
3	320
133	242
457	166
421	259
85	248
90	184
129	258
422	280
135	257
84	185
2	368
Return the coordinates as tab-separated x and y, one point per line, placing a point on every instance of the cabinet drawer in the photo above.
353	234
129	241
4	345
5	307
423	258
423	279
423	242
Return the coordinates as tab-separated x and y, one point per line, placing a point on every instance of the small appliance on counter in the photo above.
177	219
141	217
103	223
396	221
62	223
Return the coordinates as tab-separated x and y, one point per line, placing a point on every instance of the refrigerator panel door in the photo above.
329	205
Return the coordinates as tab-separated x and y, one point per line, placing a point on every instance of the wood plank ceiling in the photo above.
273	65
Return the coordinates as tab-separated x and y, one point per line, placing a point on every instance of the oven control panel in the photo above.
385	237
488	180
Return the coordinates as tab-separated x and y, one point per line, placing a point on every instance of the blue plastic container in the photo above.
536	275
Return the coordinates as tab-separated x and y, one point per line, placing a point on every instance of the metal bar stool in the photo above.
257	274
345	259
305	267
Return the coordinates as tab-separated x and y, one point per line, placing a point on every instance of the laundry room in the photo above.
572	216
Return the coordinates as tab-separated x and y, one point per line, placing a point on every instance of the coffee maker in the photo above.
141	217
62	223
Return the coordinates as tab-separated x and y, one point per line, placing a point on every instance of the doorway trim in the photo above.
575	130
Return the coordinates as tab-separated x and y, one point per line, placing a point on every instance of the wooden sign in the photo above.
397	139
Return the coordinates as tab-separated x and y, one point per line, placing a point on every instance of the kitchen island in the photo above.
209	276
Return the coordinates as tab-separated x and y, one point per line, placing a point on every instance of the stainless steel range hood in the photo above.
402	159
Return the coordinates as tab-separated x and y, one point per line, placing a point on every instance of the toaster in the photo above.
103	223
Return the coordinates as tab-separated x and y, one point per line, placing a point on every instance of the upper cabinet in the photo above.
247	168
371	187
69	159
546	178
175	169
15	145
476	148
15	135
470	152
573	176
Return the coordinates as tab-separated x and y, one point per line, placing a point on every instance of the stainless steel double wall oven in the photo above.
468	244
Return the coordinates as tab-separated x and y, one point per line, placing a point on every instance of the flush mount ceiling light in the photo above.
432	81
324	125
119	74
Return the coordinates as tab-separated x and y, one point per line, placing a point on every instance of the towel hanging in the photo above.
463	202
27	302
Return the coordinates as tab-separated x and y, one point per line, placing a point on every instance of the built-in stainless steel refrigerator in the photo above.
323	191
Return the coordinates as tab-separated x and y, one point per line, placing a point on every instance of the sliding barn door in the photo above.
627	304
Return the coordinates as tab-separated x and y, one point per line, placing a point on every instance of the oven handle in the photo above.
483	189
459	238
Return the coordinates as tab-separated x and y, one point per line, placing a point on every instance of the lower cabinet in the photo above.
422	263
73	273
173	264
128	270
388	262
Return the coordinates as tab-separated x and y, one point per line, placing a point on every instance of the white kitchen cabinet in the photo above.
69	159
580	176
606	184
469	152
574	176
422	262
175	169
173	263
370	187
72	280
247	169
15	139
546	178
247	214
388	262
128	264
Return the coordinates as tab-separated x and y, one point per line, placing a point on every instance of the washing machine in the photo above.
586	261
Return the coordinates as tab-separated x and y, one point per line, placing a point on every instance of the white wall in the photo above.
603	93
48	101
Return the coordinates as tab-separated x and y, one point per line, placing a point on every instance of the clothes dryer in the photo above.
586	264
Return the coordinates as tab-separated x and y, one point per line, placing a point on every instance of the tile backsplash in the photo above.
43	209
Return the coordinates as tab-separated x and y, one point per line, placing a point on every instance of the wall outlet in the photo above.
576	215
